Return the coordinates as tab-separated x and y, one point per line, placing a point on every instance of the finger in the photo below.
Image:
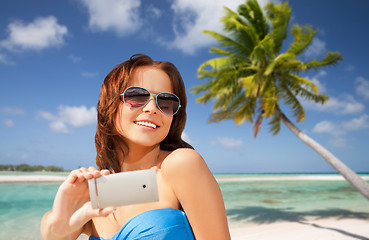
105	172
83	175
73	176
91	213
88	175
92	169
104	212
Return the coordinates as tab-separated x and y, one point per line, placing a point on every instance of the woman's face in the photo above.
136	124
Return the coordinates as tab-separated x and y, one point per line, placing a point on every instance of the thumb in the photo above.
101	212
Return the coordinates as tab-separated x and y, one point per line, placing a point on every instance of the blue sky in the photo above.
54	56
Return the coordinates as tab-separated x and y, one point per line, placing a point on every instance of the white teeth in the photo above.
147	124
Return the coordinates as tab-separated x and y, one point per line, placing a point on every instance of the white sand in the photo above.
285	178
313	229
31	179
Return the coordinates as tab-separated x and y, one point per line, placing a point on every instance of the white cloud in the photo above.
4	60
339	142
356	124
9	123
42	33
334	129
192	17
120	16
59	127
362	87
316	48
69	116
228	142
328	127
12	110
345	104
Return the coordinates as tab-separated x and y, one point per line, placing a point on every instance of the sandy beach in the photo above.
52	178
31	179
342	226
287	178
328	229
312	229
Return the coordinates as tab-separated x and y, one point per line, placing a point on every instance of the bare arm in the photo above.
72	207
198	193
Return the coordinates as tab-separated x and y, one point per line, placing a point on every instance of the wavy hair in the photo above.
107	139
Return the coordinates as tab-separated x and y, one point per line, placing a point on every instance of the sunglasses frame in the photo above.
156	100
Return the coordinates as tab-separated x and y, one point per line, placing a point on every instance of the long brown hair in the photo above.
107	138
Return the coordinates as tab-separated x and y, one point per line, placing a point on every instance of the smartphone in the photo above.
123	188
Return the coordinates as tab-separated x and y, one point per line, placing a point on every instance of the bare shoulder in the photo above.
197	192
185	166
183	160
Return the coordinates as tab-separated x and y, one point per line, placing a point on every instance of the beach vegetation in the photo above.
28	168
256	76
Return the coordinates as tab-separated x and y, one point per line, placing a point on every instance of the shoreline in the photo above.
32	179
287	178
56	178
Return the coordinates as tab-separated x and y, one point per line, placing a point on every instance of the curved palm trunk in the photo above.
360	184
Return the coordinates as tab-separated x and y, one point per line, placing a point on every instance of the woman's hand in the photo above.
72	207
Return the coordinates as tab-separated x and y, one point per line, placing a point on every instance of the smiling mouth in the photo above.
146	124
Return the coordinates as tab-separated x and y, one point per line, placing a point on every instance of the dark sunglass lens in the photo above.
136	97
168	103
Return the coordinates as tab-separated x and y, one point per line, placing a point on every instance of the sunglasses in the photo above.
137	97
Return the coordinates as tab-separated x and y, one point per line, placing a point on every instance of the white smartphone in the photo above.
123	188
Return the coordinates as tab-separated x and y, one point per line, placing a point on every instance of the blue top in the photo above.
158	224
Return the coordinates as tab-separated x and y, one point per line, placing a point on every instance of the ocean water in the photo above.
22	205
290	200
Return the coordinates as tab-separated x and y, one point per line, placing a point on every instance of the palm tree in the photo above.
252	78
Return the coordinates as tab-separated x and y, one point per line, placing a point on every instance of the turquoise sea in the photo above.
258	201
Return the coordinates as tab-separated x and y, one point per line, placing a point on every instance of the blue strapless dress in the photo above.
157	224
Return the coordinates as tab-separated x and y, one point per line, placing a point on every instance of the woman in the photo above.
141	116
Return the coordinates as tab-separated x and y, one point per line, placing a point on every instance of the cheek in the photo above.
168	125
120	120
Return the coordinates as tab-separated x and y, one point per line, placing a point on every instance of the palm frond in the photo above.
303	82
279	15
228	43
331	58
245	112
303	36
252	11
268	96
278	61
291	100
222	52
275	124
240	30
262	51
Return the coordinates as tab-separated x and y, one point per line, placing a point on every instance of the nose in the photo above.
150	106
